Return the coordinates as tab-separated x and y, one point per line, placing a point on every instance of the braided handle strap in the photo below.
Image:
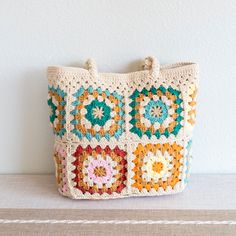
92	67
150	63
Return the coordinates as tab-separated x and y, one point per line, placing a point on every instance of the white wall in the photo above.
35	34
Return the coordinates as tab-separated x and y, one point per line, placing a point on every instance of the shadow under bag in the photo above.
120	135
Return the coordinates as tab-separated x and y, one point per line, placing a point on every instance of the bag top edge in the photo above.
167	68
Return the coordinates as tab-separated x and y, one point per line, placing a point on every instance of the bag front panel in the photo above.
122	135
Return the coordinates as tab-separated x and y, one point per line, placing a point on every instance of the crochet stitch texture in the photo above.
120	135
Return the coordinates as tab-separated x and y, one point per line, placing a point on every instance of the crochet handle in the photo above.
152	64
92	67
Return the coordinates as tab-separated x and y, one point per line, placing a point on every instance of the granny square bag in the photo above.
120	135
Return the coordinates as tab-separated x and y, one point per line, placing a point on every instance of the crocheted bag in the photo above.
120	135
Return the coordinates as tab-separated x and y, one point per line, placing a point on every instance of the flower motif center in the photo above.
157	166
156	111
98	112
99	171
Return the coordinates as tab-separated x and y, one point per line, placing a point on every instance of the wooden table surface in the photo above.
31	205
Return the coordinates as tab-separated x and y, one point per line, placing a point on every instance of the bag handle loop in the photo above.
152	64
92	67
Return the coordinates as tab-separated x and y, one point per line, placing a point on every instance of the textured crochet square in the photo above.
120	135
